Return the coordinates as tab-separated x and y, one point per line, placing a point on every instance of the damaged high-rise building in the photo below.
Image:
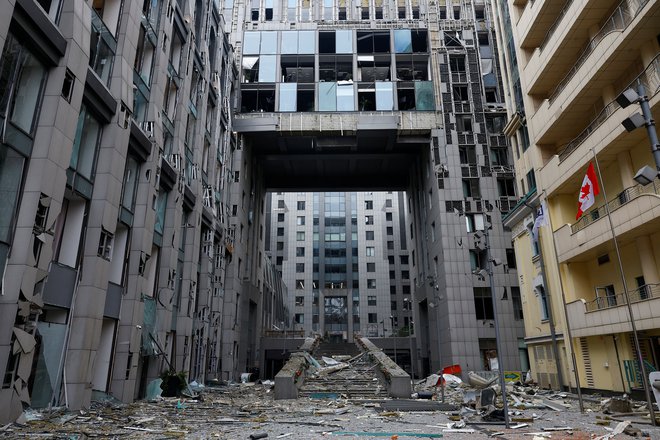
141	139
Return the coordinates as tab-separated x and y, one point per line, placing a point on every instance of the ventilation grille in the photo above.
584	347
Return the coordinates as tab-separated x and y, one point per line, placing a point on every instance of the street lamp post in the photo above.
644	176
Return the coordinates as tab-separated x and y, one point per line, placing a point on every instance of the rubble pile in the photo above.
248	411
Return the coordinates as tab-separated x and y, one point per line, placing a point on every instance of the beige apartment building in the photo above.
567	62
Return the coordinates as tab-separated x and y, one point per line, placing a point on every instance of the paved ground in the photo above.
239	411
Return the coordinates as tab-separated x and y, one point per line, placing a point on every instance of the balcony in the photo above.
592	236
537	21
604	61
609	314
650	78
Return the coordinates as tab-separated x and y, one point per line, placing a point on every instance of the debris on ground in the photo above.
350	401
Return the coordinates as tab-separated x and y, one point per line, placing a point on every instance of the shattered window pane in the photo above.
402	41
424	95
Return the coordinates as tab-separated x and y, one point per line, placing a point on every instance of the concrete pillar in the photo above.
647	259
625	169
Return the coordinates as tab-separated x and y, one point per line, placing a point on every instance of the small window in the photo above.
300	318
369	235
280	204
371	267
371	251
300	205
371	283
280	232
105	245
388	216
280	217
300	236
300	267
300	284
300	220
369	220
373	318
390	230
511	258
67	85
280	245
300	251
300	300
368	204
371	300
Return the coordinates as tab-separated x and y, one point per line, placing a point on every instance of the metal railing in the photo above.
650	78
554	26
619	20
621	199
643	293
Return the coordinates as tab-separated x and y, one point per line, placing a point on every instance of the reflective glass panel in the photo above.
289	42
267	67
402	41
288	97
327	96
307	42
345	101
384	96
344	41
251	42
269	43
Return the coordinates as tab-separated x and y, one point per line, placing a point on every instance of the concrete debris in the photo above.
360	408
478	381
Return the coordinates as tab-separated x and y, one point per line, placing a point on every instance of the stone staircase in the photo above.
330	349
358	381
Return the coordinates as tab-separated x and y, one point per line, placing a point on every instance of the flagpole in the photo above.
548	221
640	359
567	321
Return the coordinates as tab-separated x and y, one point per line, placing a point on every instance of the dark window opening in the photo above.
255	15
327	42
342	14
419	41
406	99
402	12
373	42
269	14
305	100
260	100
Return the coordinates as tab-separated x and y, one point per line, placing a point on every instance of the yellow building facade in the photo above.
567	63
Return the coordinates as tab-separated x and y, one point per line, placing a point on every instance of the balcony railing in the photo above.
621	199
622	16
554	26
643	293
650	78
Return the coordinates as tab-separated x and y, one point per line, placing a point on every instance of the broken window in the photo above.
335	68
373	42
506	187
463	123
259	99
467	154
471	188
483	303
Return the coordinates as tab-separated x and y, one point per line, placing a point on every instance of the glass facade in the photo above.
336	71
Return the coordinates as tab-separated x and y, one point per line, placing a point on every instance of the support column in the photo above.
647	259
625	169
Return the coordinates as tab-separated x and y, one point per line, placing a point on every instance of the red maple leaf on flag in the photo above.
586	189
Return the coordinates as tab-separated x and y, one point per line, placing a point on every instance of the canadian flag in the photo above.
588	192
